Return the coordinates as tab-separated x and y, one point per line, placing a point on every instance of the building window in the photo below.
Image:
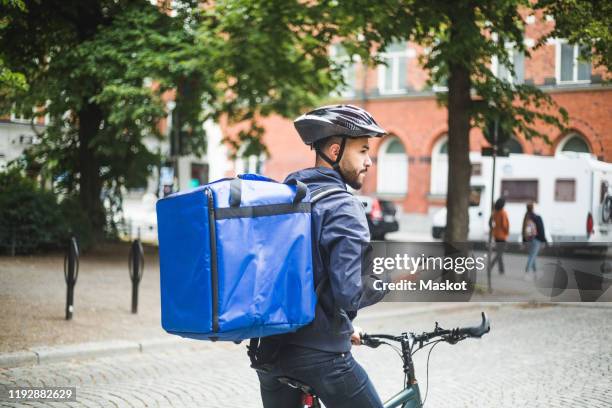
392	168
250	164
18	118
392	77
513	146
517	58
475	195
573	143
348	70
476	169
565	190
520	191
439	167
570	67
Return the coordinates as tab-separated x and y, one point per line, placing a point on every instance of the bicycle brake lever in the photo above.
370	342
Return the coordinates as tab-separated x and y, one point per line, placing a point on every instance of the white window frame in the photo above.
495	65
34	119
558	43
436	167
400	188
567	138
18	119
347	64
248	164
393	64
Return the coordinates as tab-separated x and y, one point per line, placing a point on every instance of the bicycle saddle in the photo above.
293	383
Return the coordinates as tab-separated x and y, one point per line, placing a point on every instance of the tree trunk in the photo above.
459	167
90	184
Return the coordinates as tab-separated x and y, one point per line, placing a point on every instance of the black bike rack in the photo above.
71	273
136	269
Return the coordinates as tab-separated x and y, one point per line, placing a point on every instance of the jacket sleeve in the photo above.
346	236
541	235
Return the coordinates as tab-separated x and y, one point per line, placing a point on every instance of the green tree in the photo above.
100	67
462	37
267	38
86	63
10	82
586	23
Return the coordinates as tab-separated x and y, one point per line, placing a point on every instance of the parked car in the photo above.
380	215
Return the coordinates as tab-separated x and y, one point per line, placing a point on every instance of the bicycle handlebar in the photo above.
451	336
477	331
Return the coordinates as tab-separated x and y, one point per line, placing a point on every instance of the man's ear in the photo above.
334	151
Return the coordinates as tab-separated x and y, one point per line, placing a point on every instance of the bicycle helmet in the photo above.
336	120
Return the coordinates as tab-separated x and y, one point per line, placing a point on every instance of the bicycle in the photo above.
410	396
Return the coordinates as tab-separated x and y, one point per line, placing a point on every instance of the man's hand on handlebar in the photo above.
356	336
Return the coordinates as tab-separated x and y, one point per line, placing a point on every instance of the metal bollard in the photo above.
71	273
136	267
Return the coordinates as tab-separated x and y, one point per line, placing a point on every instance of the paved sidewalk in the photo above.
533	357
32	297
33	300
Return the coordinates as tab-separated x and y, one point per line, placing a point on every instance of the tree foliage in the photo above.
582	22
10	82
86	63
100	68
462	38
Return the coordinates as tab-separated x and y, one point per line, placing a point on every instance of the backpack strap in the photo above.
323	192
263	352
316	196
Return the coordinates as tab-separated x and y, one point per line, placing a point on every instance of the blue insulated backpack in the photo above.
236	259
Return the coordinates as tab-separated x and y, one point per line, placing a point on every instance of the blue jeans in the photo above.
336	378
534	248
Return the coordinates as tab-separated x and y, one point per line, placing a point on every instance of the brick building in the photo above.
411	162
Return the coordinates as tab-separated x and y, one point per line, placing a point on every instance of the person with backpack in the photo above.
533	236
319	354
501	229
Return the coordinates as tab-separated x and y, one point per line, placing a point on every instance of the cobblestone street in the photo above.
533	357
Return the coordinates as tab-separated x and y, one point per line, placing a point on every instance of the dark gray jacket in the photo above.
341	251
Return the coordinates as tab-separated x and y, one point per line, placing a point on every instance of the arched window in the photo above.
392	168
439	167
573	142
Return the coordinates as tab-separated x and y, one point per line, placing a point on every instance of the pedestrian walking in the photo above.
501	229
533	236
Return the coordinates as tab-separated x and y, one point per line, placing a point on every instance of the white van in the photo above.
572	193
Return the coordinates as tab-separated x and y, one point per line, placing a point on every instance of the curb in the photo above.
18	359
47	355
81	351
84	350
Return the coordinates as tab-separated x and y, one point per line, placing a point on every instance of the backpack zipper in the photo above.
213	261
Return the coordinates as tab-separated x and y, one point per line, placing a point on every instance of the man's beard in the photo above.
351	176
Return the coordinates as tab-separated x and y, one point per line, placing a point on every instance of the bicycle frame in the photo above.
407	398
410	396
